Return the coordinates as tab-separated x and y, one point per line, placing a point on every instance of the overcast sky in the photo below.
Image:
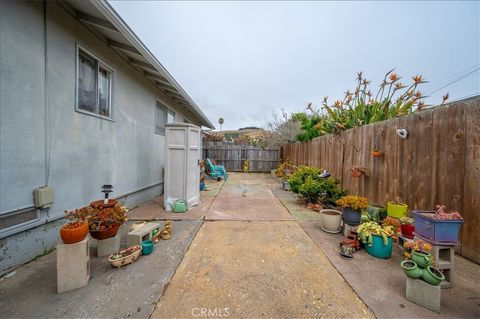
243	60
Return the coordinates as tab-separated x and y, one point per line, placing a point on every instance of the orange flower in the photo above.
393	77
418	79
338	103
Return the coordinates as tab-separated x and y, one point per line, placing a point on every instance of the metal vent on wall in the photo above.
10	220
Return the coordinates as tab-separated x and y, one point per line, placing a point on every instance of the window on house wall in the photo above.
163	115
94	84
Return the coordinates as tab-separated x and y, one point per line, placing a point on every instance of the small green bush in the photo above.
307	183
301	175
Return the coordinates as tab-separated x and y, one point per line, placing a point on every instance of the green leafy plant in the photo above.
355	202
325	191
367	230
301	175
360	106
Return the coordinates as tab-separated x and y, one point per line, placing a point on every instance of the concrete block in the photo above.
402	240
443	256
73	265
424	294
347	228
136	237
448	282
108	246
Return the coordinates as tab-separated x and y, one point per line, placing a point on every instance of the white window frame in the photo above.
105	66
169	111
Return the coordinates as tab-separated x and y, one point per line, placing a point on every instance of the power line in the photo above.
434	85
454	81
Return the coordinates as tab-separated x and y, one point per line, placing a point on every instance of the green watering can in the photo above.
180	206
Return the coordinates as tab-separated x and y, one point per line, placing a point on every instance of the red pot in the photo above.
74	235
407	231
111	231
356	173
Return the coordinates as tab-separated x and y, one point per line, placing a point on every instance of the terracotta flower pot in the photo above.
111	231
377	154
73	235
100	205
356	173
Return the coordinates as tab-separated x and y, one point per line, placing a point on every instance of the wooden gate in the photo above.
233	156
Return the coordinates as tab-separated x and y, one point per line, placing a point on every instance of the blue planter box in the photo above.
378	248
436	231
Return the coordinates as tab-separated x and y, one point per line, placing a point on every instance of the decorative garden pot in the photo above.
376	154
125	257
377	212
147	247
378	248
111	231
432	276
436	231
330	219
356	173
421	258
407	230
411	269
74	235
397	210
351	217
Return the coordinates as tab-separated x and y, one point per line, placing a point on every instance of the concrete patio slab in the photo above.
381	283
130	291
258	270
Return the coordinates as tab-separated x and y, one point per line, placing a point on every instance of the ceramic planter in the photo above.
378	248
356	173
411	269
111	231
129	256
432	276
407	230
377	212
376	154
436	231
397	210
74	235
330	219
350	216
147	247
421	258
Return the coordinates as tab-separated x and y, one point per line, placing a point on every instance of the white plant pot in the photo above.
331	219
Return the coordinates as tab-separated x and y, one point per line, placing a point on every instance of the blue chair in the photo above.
216	170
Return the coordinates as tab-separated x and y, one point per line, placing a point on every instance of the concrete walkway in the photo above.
250	259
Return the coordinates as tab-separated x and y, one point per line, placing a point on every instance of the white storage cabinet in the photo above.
182	158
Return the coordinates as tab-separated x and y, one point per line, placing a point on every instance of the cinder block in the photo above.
143	233
347	228
424	294
443	256
402	240
448	282
73	265
108	246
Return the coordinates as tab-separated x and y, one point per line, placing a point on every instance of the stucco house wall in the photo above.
82	151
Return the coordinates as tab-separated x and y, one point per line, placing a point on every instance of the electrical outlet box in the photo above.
43	197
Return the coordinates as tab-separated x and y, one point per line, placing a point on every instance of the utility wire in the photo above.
433	85
454	81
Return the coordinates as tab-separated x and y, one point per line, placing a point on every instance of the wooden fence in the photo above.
233	156
439	162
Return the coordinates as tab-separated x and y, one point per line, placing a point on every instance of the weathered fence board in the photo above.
233	156
439	162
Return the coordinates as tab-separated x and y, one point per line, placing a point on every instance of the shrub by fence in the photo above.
439	162
233	156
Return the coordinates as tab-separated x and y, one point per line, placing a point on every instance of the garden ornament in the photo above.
403	133
325	174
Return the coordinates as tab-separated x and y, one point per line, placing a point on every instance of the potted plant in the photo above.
351	208
377	212
376	153
397	210
433	276
103	220
358	171
330	220
125	257
407	227
416	245
438	227
411	269
75	230
377	239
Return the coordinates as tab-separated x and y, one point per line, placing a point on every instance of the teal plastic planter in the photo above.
378	249
147	247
